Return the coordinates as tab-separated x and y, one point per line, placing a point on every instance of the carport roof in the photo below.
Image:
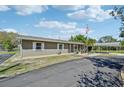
24	37
112	44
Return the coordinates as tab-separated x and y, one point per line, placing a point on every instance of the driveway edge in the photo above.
122	75
13	76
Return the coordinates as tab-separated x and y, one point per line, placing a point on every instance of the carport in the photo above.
108	47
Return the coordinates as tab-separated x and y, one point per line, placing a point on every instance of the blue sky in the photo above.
59	21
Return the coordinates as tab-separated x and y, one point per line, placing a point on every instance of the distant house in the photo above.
35	46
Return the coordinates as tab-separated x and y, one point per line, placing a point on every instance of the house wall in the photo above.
50	45
30	52
27	44
66	46
49	48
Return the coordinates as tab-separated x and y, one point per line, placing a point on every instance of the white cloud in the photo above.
29	9
92	13
4	8
57	25
65	29
9	30
68	7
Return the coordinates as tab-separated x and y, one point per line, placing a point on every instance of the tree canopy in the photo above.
121	34
8	40
78	38
83	39
107	39
118	13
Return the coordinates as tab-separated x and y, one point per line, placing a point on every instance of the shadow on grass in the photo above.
100	78
9	67
112	63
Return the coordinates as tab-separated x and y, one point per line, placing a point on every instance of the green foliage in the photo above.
3	36
121	34
8	45
83	39
118	13
8	40
106	39
78	38
122	43
91	41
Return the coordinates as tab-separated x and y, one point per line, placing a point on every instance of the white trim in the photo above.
57	46
42	45
62	46
69	47
34	45
74	48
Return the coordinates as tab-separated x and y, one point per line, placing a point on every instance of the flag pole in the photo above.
87	30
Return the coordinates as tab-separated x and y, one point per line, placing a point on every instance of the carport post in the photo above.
69	48
21	50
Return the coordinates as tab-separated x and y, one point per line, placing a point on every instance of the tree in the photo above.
118	13
8	40
78	38
3	36
122	43
71	39
107	39
121	34
83	39
8	45
13	37
91	41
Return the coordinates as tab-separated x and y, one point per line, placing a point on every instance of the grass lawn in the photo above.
5	52
22	66
112	51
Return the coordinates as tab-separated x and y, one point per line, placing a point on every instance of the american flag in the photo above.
87	30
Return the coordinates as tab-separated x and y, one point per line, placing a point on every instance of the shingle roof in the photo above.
116	44
23	37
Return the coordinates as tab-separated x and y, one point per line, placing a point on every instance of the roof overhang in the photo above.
111	44
23	37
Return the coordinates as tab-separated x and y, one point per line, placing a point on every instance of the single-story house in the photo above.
35	46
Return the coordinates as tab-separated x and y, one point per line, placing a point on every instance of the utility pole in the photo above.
86	32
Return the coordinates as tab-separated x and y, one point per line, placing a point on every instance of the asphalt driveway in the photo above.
87	72
4	57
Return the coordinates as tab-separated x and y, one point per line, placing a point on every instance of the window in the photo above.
60	46
38	46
